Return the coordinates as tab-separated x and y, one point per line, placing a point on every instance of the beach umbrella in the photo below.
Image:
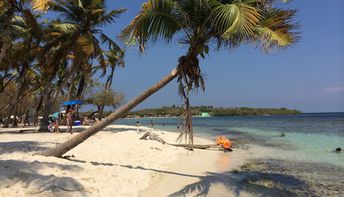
72	102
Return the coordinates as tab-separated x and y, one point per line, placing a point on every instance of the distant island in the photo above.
206	111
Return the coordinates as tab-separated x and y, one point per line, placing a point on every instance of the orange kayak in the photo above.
225	142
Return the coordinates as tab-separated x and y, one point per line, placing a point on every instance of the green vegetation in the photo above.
213	111
102	99
46	61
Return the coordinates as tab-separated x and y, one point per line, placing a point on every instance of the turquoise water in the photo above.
309	137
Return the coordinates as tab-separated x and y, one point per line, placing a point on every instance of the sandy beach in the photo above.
114	162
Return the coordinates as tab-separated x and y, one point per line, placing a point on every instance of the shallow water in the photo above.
309	137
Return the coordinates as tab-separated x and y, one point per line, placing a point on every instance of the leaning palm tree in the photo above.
199	25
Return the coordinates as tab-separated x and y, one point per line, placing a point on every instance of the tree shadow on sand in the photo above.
258	183
22	146
14	172
159	171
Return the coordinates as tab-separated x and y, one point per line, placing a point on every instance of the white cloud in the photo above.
337	89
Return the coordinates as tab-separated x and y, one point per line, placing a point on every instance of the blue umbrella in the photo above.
72	102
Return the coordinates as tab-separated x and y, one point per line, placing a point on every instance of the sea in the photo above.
309	137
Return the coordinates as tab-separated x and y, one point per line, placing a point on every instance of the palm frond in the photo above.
66	28
100	54
110	17
236	18
156	20
277	29
20	30
35	26
40	5
16	19
67	11
111	44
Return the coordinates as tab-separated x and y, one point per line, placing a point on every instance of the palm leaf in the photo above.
18	20
20	29
156	20
236	18
110	17
31	21
67	28
277	29
67	10
40	5
111	44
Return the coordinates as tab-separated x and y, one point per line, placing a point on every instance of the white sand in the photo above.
198	171
107	164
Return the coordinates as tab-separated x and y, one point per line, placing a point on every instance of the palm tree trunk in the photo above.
71	89
38	108
50	100
101	111
19	84
6	46
43	126
61	149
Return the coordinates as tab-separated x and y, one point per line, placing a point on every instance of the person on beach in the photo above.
56	117
50	124
152	123
138	126
70	118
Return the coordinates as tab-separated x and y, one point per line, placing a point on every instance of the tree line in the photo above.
46	61
169	111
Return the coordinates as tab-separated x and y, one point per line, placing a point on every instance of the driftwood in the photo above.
152	136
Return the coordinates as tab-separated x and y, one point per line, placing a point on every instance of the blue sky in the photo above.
308	76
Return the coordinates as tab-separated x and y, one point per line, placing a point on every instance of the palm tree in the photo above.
199	25
79	37
25	37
